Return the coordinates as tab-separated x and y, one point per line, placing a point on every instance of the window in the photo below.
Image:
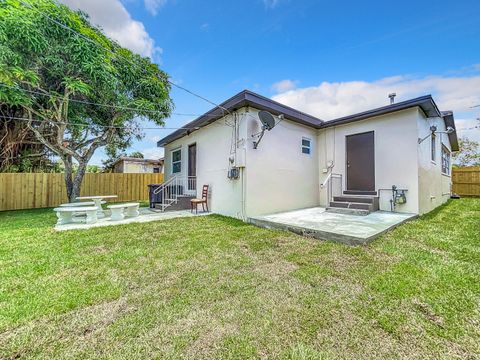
306	146
445	160
176	161
156	170
434	147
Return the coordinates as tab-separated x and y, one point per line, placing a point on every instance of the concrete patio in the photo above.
146	215
347	229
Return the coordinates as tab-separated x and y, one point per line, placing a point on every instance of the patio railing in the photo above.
334	185
175	187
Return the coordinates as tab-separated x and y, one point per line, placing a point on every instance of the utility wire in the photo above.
470	128
115	54
102	126
98	104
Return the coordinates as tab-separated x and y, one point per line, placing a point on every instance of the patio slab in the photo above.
146	215
347	229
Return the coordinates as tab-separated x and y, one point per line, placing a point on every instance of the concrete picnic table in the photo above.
97	199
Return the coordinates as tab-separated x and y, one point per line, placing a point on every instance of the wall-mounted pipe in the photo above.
399	196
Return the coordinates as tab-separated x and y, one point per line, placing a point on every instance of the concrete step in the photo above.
351	205
183	203
373	201
348	211
355	199
359	192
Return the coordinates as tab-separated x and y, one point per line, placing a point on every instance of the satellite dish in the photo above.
267	120
268	123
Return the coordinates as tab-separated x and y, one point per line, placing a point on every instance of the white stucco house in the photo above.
348	164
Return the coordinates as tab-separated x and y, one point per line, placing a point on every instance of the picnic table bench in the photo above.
98	200
80	203
65	214
118	209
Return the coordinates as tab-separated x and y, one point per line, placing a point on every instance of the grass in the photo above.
214	287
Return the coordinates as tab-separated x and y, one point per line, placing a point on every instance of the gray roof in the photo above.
249	98
425	103
243	98
450	121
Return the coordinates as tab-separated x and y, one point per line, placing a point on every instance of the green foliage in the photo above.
469	154
136	154
113	154
46	57
41	56
93	169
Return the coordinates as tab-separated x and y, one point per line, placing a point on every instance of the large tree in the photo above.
469	154
78	90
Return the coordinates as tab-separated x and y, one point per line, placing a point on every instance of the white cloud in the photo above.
153	6
154	138
152	153
118	24
284	85
468	128
331	100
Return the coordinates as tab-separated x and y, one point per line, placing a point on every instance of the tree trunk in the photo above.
77	181
73	181
67	161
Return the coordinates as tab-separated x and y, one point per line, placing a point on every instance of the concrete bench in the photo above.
80	203
65	214
117	210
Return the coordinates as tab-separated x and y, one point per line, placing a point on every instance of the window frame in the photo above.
433	148
309	146
446	160
176	162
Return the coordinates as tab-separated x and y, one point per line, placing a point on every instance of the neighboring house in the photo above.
304	161
136	165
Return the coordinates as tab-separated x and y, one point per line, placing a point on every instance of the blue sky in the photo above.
328	58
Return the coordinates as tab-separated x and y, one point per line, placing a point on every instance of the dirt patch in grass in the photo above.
76	326
428	312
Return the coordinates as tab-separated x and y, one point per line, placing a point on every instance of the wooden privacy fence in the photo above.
466	181
40	190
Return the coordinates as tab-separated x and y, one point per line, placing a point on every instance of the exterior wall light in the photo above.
433	130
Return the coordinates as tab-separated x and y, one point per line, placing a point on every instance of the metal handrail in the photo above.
174	188
326	180
328	183
166	183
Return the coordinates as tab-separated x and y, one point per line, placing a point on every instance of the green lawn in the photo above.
214	287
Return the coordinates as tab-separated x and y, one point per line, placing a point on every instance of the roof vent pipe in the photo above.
392	97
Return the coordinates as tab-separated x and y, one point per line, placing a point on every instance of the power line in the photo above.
470	128
115	54
97	104
102	126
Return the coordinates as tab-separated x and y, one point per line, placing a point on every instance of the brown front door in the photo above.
361	162
192	166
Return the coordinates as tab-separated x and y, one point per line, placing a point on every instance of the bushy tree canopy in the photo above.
57	77
469	154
